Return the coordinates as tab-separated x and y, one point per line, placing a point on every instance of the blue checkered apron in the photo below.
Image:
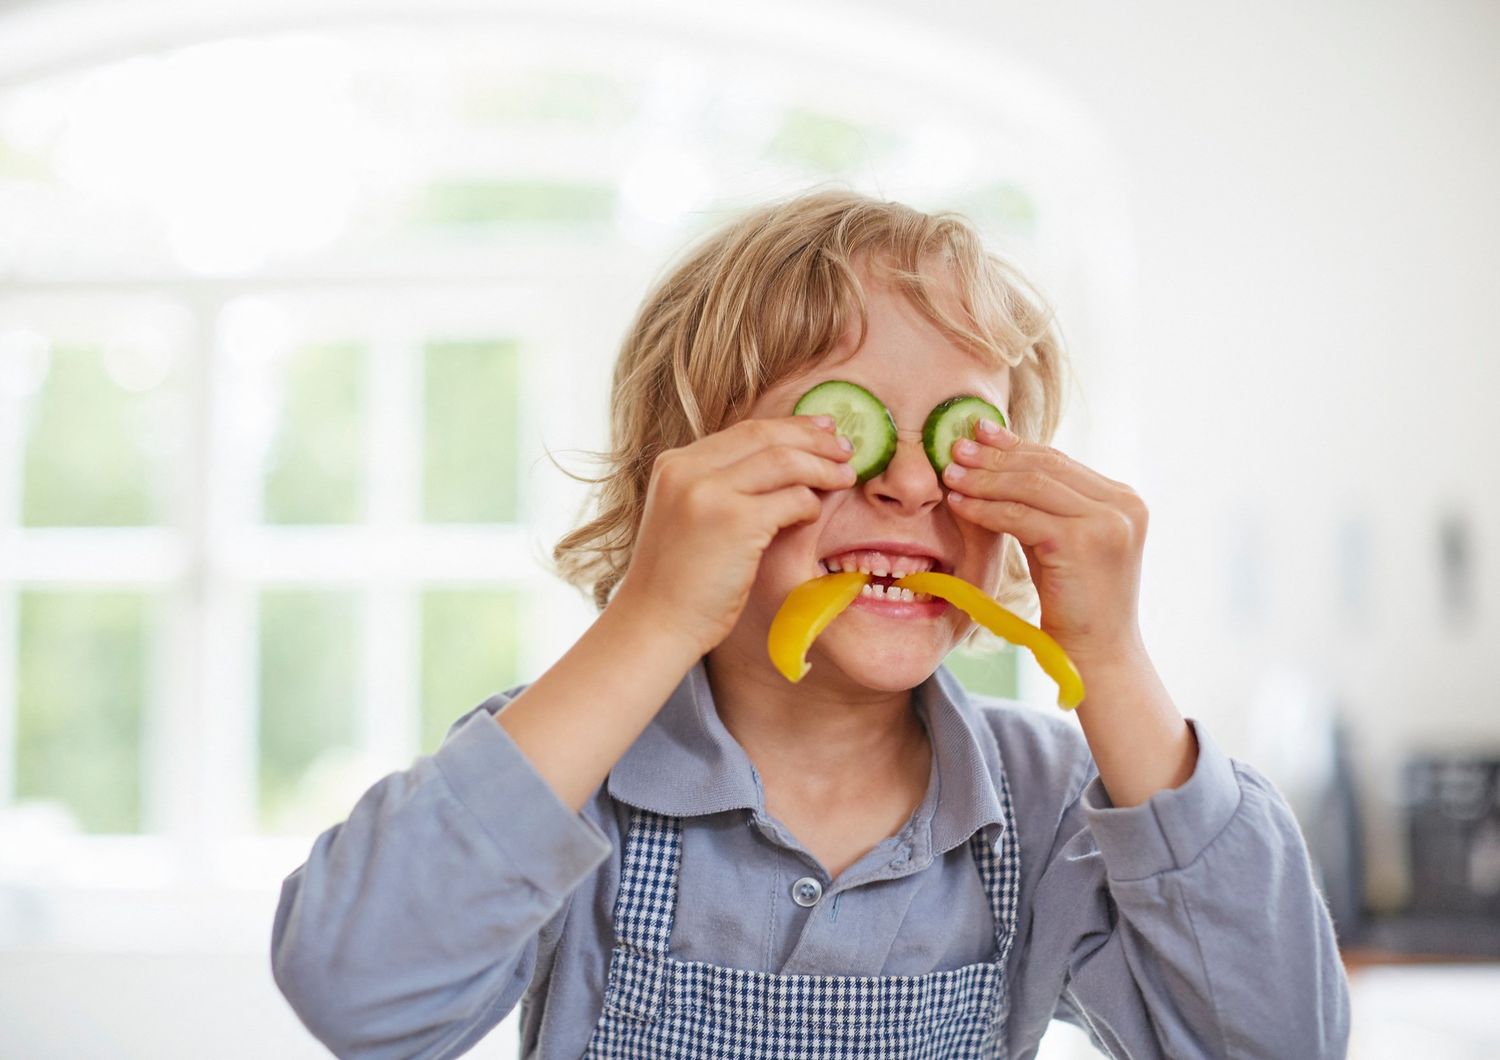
658	1008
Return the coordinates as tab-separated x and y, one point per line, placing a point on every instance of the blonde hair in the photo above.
772	293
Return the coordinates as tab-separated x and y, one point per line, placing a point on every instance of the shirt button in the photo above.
807	891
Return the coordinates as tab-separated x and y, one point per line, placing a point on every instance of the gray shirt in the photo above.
1187	926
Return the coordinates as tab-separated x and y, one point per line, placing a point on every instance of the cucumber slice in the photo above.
859	416
956	418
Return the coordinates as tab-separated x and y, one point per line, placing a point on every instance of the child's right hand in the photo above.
713	506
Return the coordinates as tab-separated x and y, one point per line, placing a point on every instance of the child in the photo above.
663	848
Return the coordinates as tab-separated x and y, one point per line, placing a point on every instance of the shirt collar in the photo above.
686	763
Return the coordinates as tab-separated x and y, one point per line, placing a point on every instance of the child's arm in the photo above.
1190	925
415	925
711	509
1206	935
418	923
1083	535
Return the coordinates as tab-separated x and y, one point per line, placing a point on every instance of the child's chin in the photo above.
887	672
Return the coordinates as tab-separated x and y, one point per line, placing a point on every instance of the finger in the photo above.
734	443
786	465
787	507
1032	527
1004	449
1034	487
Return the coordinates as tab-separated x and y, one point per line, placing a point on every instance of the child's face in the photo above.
911	366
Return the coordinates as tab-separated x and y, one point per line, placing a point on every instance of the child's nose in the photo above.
908	484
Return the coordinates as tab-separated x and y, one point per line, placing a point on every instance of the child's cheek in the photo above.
792	556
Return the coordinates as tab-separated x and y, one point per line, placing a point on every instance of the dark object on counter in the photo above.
1430	938
1452	805
1452	808
1453	825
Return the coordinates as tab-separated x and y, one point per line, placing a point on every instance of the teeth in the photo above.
881	592
875	563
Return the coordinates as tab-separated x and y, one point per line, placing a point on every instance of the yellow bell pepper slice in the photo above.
804	614
978	606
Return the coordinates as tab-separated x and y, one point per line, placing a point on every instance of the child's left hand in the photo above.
1082	534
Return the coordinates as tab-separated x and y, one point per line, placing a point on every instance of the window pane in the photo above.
307	706
498	201
470	651
313	463
472	413
827	143
505	97
84	666
1002	206
988	670
101	431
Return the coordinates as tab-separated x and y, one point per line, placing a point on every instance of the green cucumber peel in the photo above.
859	416
956	418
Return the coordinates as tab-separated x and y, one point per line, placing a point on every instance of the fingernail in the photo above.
955	472
966	447
989	426
823	421
845	444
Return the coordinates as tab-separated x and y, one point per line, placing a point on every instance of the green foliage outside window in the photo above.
987	670
473	405
549	98
486	201
827	143
89	461
470	641
308	695
85	661
313	468
1002	206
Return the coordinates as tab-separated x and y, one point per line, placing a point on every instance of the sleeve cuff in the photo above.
1170	829
549	845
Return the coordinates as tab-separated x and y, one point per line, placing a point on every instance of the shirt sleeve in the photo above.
415	925
1202	932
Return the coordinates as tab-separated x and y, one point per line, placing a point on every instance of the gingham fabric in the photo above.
658	1008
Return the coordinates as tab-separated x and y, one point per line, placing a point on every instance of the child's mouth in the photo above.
883	568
